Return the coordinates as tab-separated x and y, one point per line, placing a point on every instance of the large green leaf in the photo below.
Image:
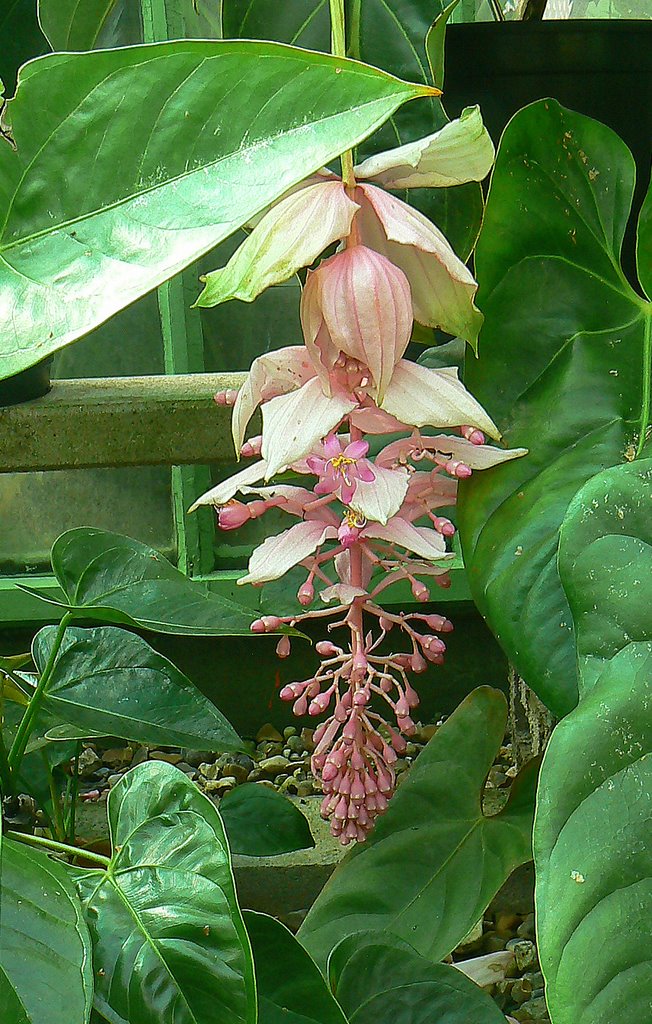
291	989
71	25
261	822
206	134
117	579
384	983
46	975
389	34
108	681
170	946
434	860
564	369
592	849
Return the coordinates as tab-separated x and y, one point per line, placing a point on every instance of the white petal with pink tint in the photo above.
291	235
477	456
343	593
278	554
420	540
443	288
296	500
239	481
460	151
294	423
380	499
274	373
420	396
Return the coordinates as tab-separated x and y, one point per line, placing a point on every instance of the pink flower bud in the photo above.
326	649
226	397
283	647
433	644
306	593
443	526
300	706
233	515
347	535
385	623
266	624
329	772
252	447
439	623
420	590
418	663
319	703
472	434
458	469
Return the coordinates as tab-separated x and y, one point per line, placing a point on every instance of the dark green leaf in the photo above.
291	989
564	353
434	860
108	681
300	22
46	975
206	134
261	822
71	25
385	983
592	850
117	579
166	928
436	43
451	353
22	39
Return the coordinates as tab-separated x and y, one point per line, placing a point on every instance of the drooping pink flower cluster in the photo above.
367	511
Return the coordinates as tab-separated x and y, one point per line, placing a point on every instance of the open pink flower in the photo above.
340	468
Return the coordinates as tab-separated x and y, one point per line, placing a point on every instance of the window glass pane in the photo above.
37	507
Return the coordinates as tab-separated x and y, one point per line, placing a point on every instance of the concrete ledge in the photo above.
120	421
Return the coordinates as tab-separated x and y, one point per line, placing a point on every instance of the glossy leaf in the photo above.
592	850
71	25
206	134
434	860
388	34
167	932
565	352
260	822
383	983
117	579
108	681
46	975
291	989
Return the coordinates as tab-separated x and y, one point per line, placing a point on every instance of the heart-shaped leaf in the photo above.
389	34
169	941
46	975
261	822
591	843
206	134
564	369
111	682
117	579
291	989
434	860
385	983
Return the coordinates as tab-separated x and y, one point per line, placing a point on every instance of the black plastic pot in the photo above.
599	68
31	383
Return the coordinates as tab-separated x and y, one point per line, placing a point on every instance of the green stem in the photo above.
57	816
71	796
647	387
54	847
338	49
28	720
6	781
497	10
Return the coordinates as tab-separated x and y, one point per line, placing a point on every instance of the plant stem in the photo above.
497	10
647	387
71	795
338	49
57	816
6	781
54	847
28	720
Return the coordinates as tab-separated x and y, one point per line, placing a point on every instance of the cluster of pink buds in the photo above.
367	512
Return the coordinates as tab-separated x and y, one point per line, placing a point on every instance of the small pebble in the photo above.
208	771
289	731
89	762
527	929
113	780
162	755
116	757
273	765
268	732
525	953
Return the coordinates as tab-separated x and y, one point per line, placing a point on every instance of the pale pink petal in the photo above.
358	302
476	456
277	555
420	540
292	235
460	151
381	499
372	420
296	500
319	177
420	396
343	568
223	492
343	593
294	423
443	289
274	373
